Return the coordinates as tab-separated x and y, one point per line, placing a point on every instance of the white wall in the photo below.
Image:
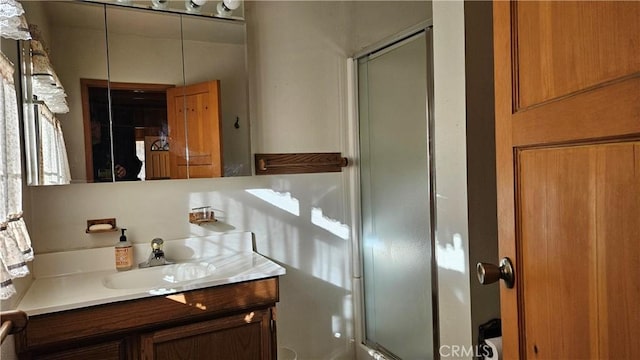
297	54
375	21
452	239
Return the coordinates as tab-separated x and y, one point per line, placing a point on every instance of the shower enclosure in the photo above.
396	198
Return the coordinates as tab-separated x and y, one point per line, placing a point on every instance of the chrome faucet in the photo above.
156	258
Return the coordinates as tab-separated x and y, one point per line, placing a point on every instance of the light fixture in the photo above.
226	7
193	6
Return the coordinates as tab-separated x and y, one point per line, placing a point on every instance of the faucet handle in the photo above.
156	243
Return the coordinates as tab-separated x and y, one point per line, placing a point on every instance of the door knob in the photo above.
490	273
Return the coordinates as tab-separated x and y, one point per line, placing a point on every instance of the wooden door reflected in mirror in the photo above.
194	128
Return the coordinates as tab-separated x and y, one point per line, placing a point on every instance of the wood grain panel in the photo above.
562	47
197	130
201	171
566	74
509	301
582	117
558	252
156	161
118	317
112	350
238	343
177	131
299	163
234	337
203	124
618	199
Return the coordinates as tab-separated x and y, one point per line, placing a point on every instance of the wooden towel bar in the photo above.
13	321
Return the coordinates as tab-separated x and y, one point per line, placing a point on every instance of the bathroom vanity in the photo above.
234	321
218	304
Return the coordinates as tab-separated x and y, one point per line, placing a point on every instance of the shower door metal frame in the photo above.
363	350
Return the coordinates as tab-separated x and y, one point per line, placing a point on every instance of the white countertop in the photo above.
81	278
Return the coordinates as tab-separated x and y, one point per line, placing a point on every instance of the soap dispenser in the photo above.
124	253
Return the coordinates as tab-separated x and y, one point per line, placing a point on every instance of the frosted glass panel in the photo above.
395	199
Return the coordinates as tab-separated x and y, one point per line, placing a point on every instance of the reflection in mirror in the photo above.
145	59
74	36
225	9
215	69
139	130
146	50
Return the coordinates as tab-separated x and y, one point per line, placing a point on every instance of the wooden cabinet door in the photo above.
195	148
567	97
249	335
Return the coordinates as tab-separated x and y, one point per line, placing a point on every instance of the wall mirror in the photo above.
151	94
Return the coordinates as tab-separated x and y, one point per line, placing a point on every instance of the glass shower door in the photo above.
395	199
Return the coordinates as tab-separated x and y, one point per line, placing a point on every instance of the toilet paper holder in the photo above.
490	330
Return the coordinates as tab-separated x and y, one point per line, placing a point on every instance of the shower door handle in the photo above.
490	273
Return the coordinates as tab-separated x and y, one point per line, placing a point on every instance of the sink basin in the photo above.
159	276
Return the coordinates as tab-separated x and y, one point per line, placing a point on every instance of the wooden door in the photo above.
567	97
195	143
156	158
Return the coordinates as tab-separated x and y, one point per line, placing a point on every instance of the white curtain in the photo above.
15	244
45	82
54	165
13	24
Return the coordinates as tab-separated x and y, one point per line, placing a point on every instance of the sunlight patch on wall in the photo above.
451	257
328	264
283	201
333	226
